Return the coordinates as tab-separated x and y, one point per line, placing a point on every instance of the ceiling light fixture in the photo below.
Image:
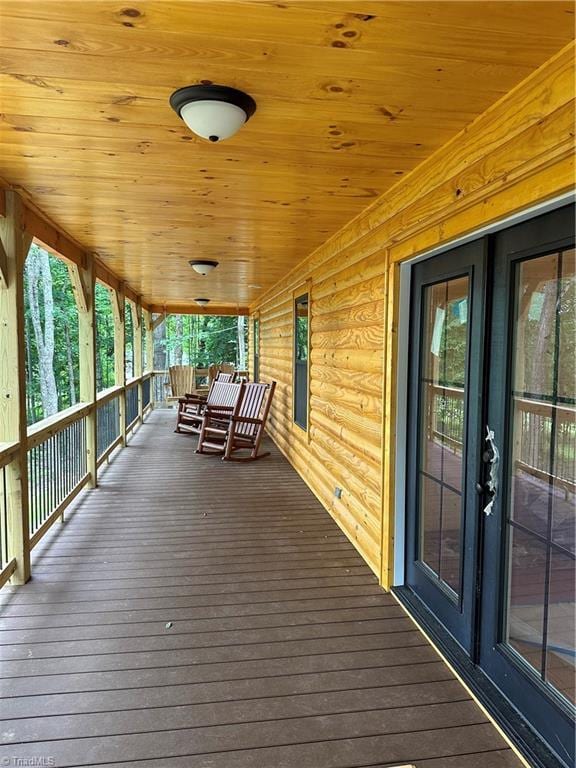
203	266
202	302
214	112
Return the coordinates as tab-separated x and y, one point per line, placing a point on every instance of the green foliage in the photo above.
105	376
66	357
128	341
198	340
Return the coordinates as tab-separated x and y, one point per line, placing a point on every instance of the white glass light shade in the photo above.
202	302
203	267
213	120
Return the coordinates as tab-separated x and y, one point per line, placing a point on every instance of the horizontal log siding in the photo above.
519	153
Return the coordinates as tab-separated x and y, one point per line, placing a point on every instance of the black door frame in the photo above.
459	616
499	707
509	248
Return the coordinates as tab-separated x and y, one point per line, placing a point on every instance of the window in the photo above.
51	328
301	344
256	342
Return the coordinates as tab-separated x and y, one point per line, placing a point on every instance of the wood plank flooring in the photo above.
197	614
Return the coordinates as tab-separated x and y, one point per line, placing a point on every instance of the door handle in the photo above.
491	458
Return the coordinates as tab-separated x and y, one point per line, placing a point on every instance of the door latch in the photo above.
490	457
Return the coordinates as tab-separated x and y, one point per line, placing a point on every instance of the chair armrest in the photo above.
246	420
192	400
218	410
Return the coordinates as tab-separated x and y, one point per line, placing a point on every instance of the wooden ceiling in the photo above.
351	96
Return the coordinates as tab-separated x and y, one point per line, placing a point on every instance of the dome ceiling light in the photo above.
202	302
203	266
214	112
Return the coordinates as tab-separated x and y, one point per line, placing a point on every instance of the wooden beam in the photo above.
51	237
3	267
137	314
187	309
16	244
118	308
84	285
108	278
2	202
78	288
147	319
160	319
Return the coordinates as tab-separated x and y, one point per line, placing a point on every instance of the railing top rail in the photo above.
7	453
108	394
42	430
545	409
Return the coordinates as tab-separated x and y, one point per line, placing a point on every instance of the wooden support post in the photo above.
84	286
149	350
137	325
118	306
16	243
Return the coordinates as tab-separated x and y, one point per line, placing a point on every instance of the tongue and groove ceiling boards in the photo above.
351	96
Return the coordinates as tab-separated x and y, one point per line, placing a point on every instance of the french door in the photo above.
491	465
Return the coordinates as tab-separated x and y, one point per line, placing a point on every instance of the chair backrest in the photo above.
226	378
255	405
182	379
222	369
224	393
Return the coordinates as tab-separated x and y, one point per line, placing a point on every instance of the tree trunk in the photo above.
178	340
70	365
40	279
160	346
241	343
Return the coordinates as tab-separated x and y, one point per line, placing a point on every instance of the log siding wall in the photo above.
517	154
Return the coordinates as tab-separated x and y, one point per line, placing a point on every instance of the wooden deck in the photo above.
196	614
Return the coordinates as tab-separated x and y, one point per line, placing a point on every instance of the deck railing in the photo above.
446	422
8	454
108	431
146	391
57	468
57	458
131	409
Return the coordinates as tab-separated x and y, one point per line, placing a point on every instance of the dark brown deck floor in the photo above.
282	652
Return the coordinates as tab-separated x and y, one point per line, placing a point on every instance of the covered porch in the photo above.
375	204
190	612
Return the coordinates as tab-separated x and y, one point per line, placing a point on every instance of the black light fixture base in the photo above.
203	263
191	93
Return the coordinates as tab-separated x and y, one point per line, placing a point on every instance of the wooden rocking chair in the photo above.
182	379
245	427
221	398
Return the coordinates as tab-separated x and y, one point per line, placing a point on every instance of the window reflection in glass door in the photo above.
539	621
442	428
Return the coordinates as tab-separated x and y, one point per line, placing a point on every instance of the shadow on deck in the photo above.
198	614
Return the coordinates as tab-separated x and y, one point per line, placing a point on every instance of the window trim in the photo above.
256	350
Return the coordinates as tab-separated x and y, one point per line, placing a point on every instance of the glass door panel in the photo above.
527	631
539	617
442	394
445	385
